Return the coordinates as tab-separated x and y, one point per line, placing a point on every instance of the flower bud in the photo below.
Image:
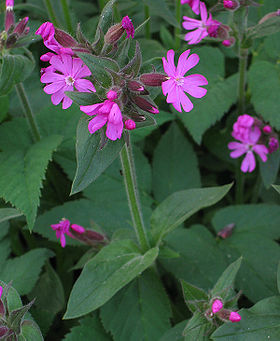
114	33
128	26
229	42
226	232
137	87
64	39
217	305
9	18
11	40
234	317
90	237
273	144
153	79
112	95
130	124
228	315
145	105
21	26
269	15
267	129
231	4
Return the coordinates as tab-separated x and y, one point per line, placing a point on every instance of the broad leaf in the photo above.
175	333
278	277
104	275
181	205
160	8
143	322
106	18
91	160
21	175
30	332
195	297
133	67
175	165
8	213
269	169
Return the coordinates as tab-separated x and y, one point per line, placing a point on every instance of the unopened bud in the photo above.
136	87
153	79
217	305
11	40
21	26
9	19
218	30
229	42
114	33
145	105
234	317
273	145
130	124
90	237
226	232
269	15
267	129
64	39
112	95
231	4
228	315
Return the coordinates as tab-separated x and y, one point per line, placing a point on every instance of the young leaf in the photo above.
30	332
197	328
21	175
105	274
175	333
194	297
8	213
91	161
16	317
226	281
143	322
181	205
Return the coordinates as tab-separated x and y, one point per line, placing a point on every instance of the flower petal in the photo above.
167	86
51	77
185	101
91	109
182	62
54	87
115	115
96	123
249	162
57	97
203	11
84	85
262	151
114	131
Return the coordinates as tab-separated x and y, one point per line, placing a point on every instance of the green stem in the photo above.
51	12
243	58
67	15
257	189
101	4
28	111
240	177
177	30
148	24
132	195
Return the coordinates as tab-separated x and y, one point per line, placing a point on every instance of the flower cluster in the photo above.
224	314
253	137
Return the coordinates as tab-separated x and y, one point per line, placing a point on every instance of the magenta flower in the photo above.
248	146
234	317
128	26
273	144
178	83
9	5
217	305
63	227
199	27
65	74
194	5
130	124
105	112
242	127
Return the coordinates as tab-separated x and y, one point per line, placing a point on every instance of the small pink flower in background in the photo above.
63	227
273	144
217	305
231	4
194	5
105	112
200	27
66	73
177	84
234	317
128	26
267	129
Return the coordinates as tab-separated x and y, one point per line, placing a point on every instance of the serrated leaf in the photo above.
8	213
175	165
144	322
226	281
30	332
160	8
91	161
194	297
269	169
197	328
104	275
181	205
21	175
24	270
83	98
261	322
265	91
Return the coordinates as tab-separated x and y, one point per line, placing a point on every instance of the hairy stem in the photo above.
51	12
133	196
67	15
177	30
28	112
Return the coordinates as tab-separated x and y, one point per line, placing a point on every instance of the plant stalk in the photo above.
243	59
148	24
51	12
101	4
239	189
28	112
177	30
133	196
67	15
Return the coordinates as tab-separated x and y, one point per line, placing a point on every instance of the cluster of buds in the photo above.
78	232
254	136
14	32
11	322
217	310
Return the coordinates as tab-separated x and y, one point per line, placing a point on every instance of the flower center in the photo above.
179	80
69	80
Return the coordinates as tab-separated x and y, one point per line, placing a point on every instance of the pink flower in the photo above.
234	317
199	27
128	26
9	5
63	227
194	4
178	83
247	146
105	112
273	144
267	129
242	127
66	73
217	305
130	124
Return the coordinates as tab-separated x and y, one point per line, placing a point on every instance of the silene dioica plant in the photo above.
118	136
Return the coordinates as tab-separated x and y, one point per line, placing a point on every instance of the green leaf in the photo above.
261	322
142	323
133	67
278	277
265	91
97	66
90	328
175	333
83	98
268	27
197	328
179	206
277	188
91	160
8	213
106	18
13	298
104	275
21	175
195	297
14	69
30	332
24	270
15	318
226	281
160	8
269	169
175	165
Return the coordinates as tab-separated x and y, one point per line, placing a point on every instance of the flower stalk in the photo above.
148	25
133	196
243	59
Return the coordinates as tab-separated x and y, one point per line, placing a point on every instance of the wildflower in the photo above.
130	124
273	144
248	146
128	26
267	129
178	83
105	112
217	305
9	5
242	127
226	232
9	14
66	74
115	32
63	227
194	5
231	4
200	27
228	42
234	317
